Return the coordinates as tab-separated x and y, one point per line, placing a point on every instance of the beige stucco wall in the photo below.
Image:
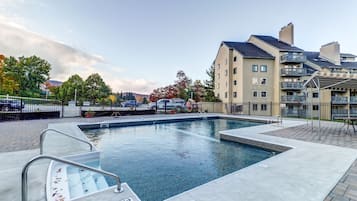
276	71
249	87
244	88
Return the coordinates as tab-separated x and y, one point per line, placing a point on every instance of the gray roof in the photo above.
248	50
278	43
313	57
310	70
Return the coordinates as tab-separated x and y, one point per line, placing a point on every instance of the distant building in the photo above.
53	83
49	84
266	75
131	96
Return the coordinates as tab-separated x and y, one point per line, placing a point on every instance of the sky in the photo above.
140	45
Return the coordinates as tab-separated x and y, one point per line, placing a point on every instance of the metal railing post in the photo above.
165	106
24	185
62	108
44	132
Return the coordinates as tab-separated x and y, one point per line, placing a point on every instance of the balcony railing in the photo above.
293	99
339	112
339	100
292	58
293	72
353	99
292	85
293	113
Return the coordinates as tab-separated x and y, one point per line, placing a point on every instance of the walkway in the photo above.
332	133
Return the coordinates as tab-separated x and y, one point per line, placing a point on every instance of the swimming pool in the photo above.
161	160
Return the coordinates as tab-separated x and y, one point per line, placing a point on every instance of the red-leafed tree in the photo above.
198	91
180	89
183	84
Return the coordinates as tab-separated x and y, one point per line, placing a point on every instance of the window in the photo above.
217	95
254	68
263	81
234	59
219	66
315	107
254	80
255	107
263	68
263	107
218	75
225	94
226	84
263	94
234	70
226	72
235	94
315	95
226	61
255	93
235	82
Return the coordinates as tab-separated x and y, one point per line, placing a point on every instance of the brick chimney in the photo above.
331	52
286	34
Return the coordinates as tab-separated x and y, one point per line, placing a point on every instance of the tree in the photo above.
113	99
169	91
209	86
73	86
28	73
183	84
198	91
145	100
95	88
7	84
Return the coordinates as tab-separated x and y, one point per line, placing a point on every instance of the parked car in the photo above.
130	103
174	103
11	104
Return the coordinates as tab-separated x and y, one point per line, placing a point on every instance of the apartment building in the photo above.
266	76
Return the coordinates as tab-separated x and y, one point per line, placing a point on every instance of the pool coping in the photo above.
302	179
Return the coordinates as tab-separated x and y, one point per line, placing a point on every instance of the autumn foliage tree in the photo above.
7	84
24	75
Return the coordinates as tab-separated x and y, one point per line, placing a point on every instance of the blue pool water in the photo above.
161	160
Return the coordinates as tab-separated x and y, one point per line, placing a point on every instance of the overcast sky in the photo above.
140	45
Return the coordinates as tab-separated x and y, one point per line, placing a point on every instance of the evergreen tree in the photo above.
209	86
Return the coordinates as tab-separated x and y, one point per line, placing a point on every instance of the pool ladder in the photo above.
24	185
44	133
24	188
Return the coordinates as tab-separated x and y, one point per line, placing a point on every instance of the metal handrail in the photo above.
26	167
44	132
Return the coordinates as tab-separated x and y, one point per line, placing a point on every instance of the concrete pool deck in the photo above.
283	177
308	171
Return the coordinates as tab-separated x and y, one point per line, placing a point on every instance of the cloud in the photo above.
17	40
138	85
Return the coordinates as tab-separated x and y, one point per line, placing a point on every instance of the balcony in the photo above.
293	99
338	113
293	113
296	72
292	58
292	86
339	100
353	99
